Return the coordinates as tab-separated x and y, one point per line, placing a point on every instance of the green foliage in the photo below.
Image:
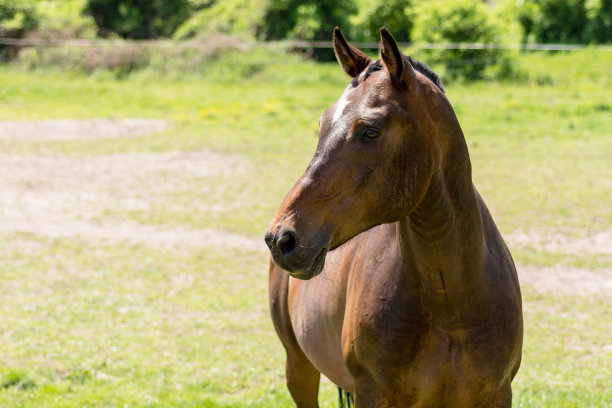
48	19
396	15
576	21
117	60
219	64
311	20
600	21
317	18
65	19
16	380
561	21
565	21
17	17
457	21
316	21
554	21
279	19
139	18
236	17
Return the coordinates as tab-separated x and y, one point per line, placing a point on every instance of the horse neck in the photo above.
442	242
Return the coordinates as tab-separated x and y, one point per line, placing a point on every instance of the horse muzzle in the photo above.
290	254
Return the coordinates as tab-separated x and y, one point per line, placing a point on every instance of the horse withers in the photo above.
389	275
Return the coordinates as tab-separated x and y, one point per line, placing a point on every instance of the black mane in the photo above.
428	72
417	65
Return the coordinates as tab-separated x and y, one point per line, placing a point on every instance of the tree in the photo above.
139	18
396	15
457	21
600	22
17	17
310	20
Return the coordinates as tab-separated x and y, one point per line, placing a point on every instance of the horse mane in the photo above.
417	65
428	72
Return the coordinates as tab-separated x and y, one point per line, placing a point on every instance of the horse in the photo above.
388	274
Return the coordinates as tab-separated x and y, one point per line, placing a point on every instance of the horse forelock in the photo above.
346	98
417	65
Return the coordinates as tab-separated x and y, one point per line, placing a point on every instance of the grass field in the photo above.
133	268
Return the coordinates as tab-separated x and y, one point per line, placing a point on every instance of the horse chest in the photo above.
318	325
423	368
368	329
411	363
391	345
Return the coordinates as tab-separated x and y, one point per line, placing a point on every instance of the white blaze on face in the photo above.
342	102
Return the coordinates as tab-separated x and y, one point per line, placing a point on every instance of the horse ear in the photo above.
400	70
352	60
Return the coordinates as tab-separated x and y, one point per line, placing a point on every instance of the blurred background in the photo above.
145	146
498	26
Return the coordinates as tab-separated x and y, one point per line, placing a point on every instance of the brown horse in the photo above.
406	294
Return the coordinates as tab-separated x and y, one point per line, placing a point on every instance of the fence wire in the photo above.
24	42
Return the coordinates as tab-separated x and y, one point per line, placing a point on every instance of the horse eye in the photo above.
370	134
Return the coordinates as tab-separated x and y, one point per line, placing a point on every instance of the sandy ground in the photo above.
70	129
597	244
66	196
565	279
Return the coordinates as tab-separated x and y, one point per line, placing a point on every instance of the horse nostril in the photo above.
287	243
269	238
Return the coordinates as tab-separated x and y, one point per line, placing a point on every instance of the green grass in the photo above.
549	258
116	325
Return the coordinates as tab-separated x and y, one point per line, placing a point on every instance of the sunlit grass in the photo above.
113	325
131	325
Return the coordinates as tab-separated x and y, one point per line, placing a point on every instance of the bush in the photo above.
118	60
64	19
457	21
137	19
122	58
309	20
17	17
47	19
316	21
396	15
600	21
565	21
557	21
235	17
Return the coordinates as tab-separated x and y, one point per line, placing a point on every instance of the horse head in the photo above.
380	144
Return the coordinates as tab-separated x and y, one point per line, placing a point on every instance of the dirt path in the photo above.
600	243
82	129
66	196
63	196
563	279
566	280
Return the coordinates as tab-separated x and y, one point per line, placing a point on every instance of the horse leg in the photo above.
302	377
